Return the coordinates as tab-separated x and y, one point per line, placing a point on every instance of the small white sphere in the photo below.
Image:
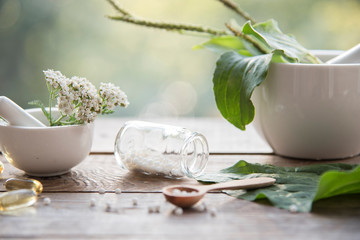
159	169
178	211
293	208
108	207
201	207
92	202
151	209
176	192
118	191
157	209
102	191
47	201
213	212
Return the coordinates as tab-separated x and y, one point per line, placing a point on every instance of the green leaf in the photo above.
295	187
237	75
336	183
223	44
235	79
269	36
107	111
280	56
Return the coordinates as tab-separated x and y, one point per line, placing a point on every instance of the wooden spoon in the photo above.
195	193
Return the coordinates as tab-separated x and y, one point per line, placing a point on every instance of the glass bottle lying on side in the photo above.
158	149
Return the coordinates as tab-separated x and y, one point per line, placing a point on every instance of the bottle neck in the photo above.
194	155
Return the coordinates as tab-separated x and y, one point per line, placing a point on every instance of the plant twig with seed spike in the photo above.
129	18
233	6
168	26
247	38
117	7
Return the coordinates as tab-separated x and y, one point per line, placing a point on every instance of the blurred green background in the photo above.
158	70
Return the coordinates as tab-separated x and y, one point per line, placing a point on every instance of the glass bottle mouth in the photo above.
194	155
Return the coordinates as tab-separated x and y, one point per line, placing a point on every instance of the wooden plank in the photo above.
221	135
70	216
102	171
93	174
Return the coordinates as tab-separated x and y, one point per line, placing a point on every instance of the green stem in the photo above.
118	8
125	16
247	38
233	6
58	120
50	103
168	26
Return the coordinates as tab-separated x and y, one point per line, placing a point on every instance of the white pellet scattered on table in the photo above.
157	209
178	211
151	209
47	201
213	212
92	202
102	191
201	207
108	207
293	208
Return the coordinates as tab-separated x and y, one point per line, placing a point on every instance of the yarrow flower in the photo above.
112	96
78	100
54	78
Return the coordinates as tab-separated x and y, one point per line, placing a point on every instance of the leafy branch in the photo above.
247	52
117	7
126	16
168	26
233	6
245	37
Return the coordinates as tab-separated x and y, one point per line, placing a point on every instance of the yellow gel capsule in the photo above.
17	199
1	167
23	183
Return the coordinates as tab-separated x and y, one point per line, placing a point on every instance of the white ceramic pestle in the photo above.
350	56
15	115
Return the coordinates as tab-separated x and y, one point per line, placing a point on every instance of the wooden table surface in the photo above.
70	216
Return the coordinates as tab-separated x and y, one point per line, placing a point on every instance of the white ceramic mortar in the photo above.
45	151
310	111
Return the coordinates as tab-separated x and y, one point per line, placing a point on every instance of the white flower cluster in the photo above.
79	98
54	78
112	96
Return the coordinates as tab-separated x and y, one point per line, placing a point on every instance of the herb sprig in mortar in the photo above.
78	101
247	52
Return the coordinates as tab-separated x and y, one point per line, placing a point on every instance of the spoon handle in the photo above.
241	184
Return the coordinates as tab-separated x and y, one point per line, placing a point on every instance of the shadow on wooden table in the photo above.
92	181
346	205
